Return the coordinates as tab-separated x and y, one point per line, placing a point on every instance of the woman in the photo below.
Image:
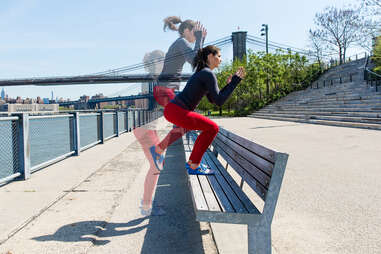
180	110
178	54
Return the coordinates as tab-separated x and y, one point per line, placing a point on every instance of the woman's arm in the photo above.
190	53
214	94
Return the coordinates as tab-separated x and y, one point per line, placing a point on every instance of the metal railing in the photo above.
330	82
372	78
29	143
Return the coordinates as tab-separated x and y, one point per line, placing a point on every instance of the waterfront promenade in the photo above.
330	200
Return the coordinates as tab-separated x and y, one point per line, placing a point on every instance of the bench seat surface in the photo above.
218	195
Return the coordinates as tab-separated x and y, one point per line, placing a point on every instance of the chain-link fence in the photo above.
109	125
136	119
121	121
50	138
130	120
88	129
38	141
9	154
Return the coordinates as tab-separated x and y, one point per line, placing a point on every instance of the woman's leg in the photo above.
147	138
191	120
163	95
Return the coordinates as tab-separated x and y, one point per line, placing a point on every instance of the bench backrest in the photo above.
261	168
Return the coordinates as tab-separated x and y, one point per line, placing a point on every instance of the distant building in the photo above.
29	108
141	103
3	94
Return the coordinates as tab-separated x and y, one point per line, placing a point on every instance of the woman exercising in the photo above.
178	54
180	110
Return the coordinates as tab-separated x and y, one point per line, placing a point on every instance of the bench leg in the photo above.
259	239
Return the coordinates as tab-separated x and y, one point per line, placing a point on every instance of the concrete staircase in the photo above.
349	103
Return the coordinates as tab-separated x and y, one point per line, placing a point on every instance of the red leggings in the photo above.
191	120
163	95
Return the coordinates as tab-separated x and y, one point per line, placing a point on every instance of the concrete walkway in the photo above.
330	200
90	204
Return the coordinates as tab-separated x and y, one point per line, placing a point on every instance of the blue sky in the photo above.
59	38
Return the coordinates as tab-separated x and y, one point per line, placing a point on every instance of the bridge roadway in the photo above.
92	79
330	200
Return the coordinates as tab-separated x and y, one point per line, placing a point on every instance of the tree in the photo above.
339	28
316	46
373	7
371	14
377	55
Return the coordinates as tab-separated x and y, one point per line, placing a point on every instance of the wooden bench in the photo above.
219	198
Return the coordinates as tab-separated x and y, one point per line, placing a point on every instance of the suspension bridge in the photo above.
239	40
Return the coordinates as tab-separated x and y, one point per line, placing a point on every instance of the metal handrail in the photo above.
373	73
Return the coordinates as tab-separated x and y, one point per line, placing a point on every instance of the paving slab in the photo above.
330	199
91	204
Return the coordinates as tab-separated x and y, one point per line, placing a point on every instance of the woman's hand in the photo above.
241	72
230	79
200	27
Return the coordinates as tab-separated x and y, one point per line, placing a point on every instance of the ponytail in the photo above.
200	61
171	22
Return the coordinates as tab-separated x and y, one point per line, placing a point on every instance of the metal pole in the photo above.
24	145
116	122
76	134
102	127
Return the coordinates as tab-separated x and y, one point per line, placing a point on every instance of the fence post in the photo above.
126	121
350	76
138	118
116	122
24	145
340	80
134	120
76	134
102	127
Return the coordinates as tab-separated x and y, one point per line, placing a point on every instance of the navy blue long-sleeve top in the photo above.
180	52
204	82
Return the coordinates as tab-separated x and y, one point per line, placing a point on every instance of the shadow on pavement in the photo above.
177	231
80	231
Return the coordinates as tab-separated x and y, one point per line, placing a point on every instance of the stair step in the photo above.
324	122
325	117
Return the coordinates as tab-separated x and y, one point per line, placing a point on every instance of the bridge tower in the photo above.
239	45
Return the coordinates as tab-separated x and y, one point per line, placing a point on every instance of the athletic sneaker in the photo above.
158	159
200	170
154	211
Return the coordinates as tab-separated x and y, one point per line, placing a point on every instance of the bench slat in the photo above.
240	194
258	175
208	193
259	162
231	195
229	192
255	148
219	193
249	179
197	196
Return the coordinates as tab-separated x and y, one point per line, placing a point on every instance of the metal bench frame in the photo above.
207	191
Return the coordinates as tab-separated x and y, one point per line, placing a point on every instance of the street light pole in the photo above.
265	31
